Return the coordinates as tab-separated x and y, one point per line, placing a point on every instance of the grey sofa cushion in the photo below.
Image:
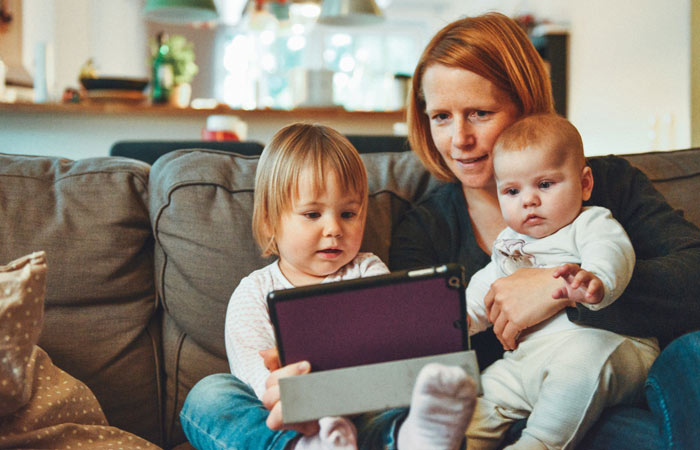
675	175
201	209
91	218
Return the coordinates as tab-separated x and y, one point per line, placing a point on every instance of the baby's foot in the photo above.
336	433
441	407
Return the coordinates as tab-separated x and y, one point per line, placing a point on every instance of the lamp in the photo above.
350	12
180	11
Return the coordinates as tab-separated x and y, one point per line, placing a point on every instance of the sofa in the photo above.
143	259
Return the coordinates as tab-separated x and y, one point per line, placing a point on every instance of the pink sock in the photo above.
441	407
336	433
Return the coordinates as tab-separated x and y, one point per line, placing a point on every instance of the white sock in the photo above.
336	433
441	407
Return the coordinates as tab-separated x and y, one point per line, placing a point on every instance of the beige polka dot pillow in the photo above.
21	318
41	406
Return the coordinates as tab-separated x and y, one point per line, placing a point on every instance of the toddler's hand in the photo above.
580	285
271	396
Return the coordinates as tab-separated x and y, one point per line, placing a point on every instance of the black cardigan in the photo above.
661	300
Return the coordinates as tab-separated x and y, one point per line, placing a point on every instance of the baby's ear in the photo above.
586	182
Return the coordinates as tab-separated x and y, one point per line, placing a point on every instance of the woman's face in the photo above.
466	113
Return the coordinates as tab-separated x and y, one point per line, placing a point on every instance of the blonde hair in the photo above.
492	46
293	149
549	131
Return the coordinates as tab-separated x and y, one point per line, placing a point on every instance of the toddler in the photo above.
310	205
562	375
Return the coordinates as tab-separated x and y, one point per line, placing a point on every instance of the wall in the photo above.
629	67
695	73
630	62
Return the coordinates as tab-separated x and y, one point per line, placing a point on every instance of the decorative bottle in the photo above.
162	73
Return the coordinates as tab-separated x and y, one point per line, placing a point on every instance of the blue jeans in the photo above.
673	396
222	412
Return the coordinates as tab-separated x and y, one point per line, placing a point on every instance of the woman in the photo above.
476	77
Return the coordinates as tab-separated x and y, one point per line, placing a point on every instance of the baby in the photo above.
562	375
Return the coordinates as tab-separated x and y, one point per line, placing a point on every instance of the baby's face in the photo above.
539	190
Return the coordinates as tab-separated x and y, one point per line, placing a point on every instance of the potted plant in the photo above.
177	53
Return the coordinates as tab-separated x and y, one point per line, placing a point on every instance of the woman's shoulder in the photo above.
611	168
441	202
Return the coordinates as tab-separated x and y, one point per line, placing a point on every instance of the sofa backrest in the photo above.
91	218
676	175
201	207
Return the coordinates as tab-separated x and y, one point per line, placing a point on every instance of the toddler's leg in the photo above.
586	371
336	433
441	407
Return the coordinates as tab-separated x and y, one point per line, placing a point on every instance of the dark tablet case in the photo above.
405	314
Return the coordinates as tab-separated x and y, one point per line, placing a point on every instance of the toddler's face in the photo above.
321	232
539	190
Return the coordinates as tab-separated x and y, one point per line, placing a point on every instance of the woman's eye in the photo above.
546	184
479	114
440	117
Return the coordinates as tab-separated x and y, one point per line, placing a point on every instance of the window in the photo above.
270	65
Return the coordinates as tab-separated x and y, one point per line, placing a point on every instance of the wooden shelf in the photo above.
127	109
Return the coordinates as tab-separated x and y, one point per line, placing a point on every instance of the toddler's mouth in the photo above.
331	251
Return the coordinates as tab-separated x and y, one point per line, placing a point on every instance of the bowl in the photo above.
127	84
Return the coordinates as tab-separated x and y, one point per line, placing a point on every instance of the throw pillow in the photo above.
41	406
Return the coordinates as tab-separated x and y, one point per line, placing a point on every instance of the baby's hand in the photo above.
580	285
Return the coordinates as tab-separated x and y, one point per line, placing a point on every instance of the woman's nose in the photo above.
463	134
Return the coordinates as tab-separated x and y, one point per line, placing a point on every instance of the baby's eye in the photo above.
512	191
546	184
348	215
312	215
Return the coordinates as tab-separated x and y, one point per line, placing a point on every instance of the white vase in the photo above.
180	95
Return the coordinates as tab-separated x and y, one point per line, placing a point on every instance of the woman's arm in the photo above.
663	296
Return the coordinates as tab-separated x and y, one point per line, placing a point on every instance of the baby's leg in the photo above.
585	371
441	407
336	433
503	403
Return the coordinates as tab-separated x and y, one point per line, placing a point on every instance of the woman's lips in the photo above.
468	161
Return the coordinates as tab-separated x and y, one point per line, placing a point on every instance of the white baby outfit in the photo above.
562	375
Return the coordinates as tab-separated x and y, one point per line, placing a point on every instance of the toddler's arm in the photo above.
248	330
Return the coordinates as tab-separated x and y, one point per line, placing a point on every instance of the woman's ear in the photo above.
586	183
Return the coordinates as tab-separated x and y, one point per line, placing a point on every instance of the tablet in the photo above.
401	315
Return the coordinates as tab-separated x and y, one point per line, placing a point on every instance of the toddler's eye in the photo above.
546	184
512	191
312	215
348	215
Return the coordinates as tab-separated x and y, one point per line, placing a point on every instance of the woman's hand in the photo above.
271	397
521	300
